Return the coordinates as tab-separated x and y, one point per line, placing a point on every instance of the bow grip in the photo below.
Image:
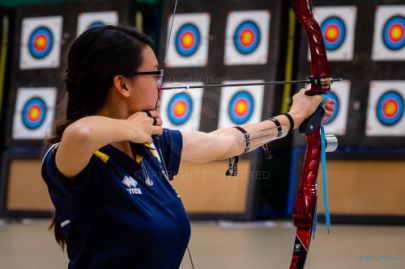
313	122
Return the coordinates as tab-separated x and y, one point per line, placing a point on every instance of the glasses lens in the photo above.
160	80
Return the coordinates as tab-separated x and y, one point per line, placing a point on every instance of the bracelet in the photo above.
290	119
232	167
278	125
233	162
247	137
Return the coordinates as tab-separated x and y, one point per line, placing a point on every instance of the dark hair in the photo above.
94	59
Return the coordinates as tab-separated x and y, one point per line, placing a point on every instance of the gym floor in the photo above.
29	244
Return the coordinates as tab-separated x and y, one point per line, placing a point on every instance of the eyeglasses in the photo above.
159	73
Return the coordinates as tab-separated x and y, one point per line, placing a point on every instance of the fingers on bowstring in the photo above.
153	114
157	122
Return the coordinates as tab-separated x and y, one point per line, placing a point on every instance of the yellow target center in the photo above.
40	43
180	108
390	108
188	40
247	37
34	113
332	33
397	33
241	107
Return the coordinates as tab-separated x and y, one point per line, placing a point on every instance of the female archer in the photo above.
106	174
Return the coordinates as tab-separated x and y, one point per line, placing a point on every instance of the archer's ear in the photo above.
119	85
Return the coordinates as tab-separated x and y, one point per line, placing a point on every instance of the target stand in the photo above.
23	193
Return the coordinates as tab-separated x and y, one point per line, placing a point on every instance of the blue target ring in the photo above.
34	113
40	42
394	33
180	108
336	111
390	108
241	107
187	40
334	32
247	37
95	24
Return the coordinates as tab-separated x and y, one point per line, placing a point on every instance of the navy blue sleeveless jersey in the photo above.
119	212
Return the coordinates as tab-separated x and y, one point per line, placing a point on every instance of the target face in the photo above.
389	34
337	27
188	44
40	42
394	33
240	105
333	32
90	20
390	108
188	40
247	37
385	115
246	40
181	110
34	113
340	93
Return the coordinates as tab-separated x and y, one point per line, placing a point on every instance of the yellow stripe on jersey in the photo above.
148	145
138	158
102	156
154	153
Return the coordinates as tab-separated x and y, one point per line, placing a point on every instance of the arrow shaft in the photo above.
186	87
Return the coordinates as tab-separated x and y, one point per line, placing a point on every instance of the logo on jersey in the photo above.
131	184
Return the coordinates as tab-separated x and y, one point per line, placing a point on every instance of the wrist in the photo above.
297	118
290	120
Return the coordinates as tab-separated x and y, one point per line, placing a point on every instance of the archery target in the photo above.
91	20
340	93
247	37
337	26
34	113
386	103
389	33
394	33
181	109
240	105
333	32
188	40
188	44
390	108
41	42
